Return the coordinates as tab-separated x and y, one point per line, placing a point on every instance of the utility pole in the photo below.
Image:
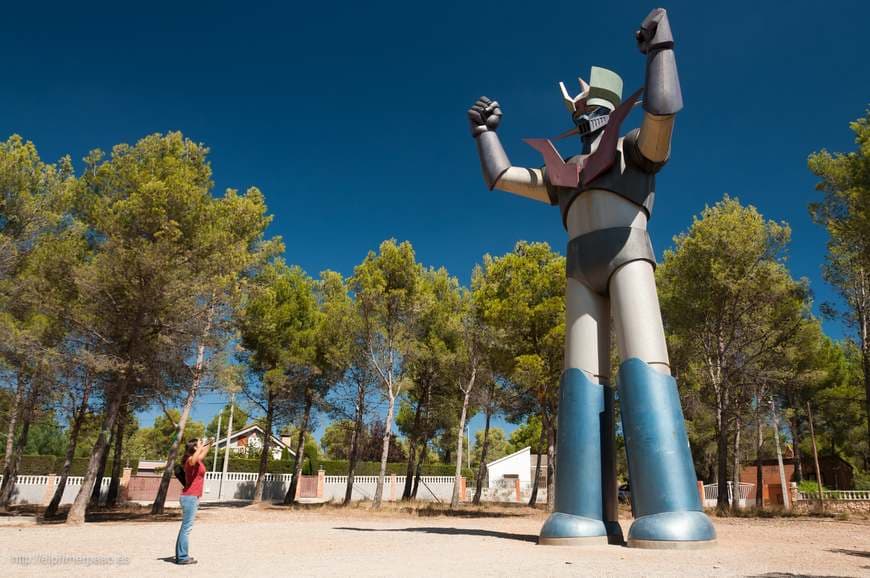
227	446
816	458
217	439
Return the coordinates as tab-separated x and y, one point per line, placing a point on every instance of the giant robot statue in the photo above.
606	196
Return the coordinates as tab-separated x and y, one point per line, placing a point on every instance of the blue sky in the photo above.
350	116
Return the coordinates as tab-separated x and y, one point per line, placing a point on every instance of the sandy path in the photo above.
251	542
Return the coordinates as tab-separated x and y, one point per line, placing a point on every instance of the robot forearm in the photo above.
485	116
662	97
493	160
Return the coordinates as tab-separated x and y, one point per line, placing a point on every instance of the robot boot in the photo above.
579	515
664	493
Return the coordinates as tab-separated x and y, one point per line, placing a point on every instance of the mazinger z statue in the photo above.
605	196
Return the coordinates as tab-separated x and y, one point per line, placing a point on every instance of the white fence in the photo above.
837	495
32	489
240	486
431	489
711	494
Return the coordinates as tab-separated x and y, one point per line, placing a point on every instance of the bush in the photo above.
251	465
42	465
862	480
339	468
809	487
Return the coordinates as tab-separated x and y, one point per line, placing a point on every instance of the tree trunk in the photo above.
418	472
355	441
70	452
481	468
104	460
77	510
168	470
785	489
290	496
264	454
10	469
722	461
795	425
551	465
865	355
115	482
533	499
460	438
735	472
759	446
14	410
385	452
412	451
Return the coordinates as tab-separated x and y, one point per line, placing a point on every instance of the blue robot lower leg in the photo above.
579	517
664	493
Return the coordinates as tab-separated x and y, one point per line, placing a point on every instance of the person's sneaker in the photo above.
186	561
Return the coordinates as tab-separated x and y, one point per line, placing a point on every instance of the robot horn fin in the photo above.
569	101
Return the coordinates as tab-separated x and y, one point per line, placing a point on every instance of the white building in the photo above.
517	465
252	438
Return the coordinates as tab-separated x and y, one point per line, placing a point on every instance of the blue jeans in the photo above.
189	504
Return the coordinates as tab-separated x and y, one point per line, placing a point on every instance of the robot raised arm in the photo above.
484	117
662	98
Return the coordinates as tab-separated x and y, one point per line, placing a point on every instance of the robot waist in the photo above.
593	257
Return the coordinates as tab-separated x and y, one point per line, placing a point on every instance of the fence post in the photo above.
393	487
463	487
48	494
517	489
321	479
124	483
795	495
701	492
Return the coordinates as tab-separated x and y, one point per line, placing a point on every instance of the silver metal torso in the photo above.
633	299
599	209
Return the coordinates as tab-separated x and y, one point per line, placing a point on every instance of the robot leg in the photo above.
664	493
579	505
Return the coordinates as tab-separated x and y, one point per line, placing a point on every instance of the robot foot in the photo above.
672	530
568	530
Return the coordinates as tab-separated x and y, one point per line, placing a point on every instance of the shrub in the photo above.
809	487
42	465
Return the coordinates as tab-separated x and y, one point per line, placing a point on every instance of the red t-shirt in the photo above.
195	476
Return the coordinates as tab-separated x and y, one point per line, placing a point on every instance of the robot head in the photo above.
590	110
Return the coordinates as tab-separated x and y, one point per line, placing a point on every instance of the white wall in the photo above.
519	464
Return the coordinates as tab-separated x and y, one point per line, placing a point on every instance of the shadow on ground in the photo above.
451	532
790	575
859	553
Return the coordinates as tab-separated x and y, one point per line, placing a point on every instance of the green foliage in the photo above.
240	420
528	435
809	486
731	311
38	465
152	443
497	447
339	468
46	437
335	440
845	214
521	296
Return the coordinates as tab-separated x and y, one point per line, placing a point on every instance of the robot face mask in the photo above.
591	121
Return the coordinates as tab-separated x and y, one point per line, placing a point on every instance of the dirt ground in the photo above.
326	541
